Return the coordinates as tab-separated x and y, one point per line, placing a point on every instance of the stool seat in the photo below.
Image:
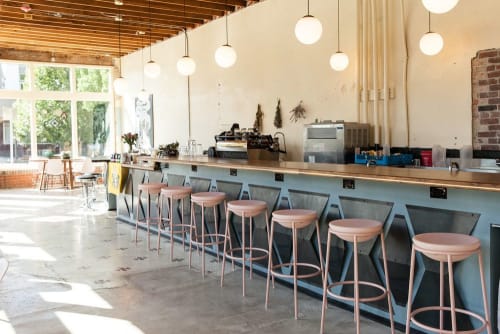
148	189
438	246
208	198
247	208
176	192
86	177
298	217
362	229
151	187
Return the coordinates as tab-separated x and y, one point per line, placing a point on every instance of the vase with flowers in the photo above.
130	139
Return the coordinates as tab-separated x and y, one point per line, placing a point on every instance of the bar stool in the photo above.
244	209
206	200
171	194
356	231
88	182
148	189
449	248
293	219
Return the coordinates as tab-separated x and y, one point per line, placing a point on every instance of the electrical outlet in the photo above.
233	172
348	184
438	192
194	168
279	177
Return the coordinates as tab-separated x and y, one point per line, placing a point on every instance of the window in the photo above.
13	76
52	79
15	127
92	80
53	127
93	127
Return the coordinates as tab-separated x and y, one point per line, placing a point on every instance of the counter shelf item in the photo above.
385	160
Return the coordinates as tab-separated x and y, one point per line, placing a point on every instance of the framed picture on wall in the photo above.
144	123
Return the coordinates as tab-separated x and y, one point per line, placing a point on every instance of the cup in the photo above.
416	162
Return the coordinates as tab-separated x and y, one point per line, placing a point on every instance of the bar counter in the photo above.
408	201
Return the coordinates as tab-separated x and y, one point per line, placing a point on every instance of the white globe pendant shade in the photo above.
339	61
152	69
431	43
143	95
308	30
120	85
186	66
439	6
225	56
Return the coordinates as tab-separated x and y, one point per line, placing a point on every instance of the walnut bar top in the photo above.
418	176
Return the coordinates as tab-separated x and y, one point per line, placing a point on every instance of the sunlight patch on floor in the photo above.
5	326
77	294
15	238
26	253
53	219
77	323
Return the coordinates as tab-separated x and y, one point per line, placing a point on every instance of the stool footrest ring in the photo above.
481	319
299	265
265	253
361	299
197	241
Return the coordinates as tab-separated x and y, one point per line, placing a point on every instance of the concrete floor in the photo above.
77	271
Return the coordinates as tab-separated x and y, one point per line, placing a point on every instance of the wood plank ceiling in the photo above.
59	30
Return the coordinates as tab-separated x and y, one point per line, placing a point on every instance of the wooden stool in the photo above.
148	189
356	231
449	248
293	219
206	200
171	194
244	209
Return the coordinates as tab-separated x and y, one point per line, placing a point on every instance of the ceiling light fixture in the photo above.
120	84
431	43
151	69
439	6
225	55
119	2
339	60
308	29
186	65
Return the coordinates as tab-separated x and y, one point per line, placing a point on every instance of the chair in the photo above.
54	168
355	231
148	189
244	209
293	219
38	167
173	194
206	200
447	248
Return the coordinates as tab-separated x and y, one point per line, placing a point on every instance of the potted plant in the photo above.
130	139
171	149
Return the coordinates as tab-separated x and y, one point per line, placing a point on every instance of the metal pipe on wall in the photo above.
373	22
405	72
385	92
364	62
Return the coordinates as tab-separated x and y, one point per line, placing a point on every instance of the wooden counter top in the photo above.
419	176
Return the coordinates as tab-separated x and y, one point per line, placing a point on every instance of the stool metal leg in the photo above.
325	283
387	282
441	294
269	262
227	236
356	285
483	289
452	295
295	259
410	290
243	250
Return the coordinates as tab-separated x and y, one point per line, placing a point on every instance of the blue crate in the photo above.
385	160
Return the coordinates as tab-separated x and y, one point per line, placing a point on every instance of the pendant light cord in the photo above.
120	42
429	21
308	8
227	30
338	25
150	30
142	59
186	41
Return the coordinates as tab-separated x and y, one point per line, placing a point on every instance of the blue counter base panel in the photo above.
404	209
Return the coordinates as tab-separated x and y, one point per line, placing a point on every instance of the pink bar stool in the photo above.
449	248
206	200
244	209
148	189
172	194
356	231
293	219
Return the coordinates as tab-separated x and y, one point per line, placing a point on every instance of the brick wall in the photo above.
17	179
486	100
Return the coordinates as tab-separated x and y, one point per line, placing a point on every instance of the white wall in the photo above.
272	64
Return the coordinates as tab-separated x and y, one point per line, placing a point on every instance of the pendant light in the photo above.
308	29
225	55
151	69
120	84
186	65
439	6
339	60
143	94
432	42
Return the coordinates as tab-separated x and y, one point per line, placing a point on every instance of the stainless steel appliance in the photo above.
334	142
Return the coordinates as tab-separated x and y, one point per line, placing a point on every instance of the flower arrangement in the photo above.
130	139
